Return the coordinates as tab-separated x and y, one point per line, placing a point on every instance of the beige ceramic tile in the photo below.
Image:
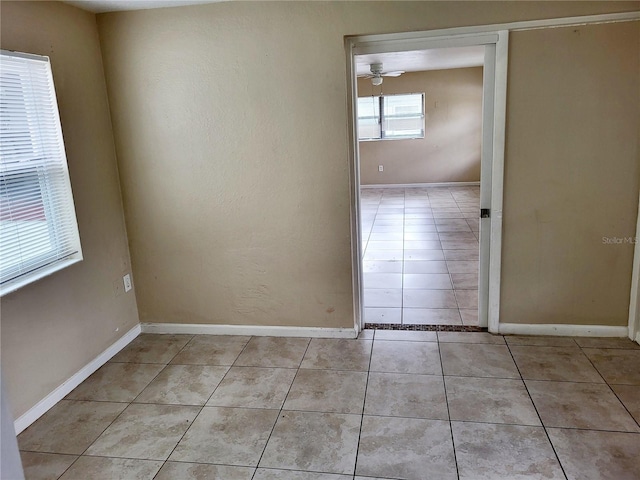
467	299
383	315
253	387
591	342
469	316
231	436
327	391
470	337
408	448
508	452
183	385
477	360
402	395
431	316
490	400
406	357
593	455
366	335
45	466
211	350
152	348
338	354
617	366
540	340
201	471
69	427
580	405
271	474
145	432
554	363
406	335
382	297
317	442
462	266
429	299
100	468
629	395
273	352
465	281
116	382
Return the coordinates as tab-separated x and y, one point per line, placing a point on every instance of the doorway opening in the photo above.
427	158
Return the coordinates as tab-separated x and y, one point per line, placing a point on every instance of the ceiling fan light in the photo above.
376	81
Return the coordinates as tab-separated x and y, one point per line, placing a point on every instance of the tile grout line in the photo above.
446	401
544	428
364	401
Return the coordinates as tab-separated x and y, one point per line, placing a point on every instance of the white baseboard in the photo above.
562	330
420	185
63	390
252	330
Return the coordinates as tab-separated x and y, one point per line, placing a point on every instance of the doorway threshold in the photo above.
424	328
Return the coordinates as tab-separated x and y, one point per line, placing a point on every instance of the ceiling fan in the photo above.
377	73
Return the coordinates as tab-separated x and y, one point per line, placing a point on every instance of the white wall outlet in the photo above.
381	168
127	282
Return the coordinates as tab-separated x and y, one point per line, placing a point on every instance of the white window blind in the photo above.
38	228
391	116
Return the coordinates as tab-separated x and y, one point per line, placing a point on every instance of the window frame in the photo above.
381	119
51	173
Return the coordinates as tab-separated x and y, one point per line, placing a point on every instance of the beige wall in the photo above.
230	123
54	327
571	175
450	150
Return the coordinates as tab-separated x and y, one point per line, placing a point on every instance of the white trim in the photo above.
249	330
35	412
497	179
420	185
512	26
562	330
634	300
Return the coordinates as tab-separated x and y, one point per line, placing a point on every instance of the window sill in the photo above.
36	275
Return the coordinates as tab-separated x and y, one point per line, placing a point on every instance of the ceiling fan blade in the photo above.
366	75
397	73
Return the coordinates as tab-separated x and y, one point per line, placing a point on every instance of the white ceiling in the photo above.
101	6
421	60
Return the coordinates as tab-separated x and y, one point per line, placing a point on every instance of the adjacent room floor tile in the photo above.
116	382
183	385
592	455
382	280
338	354
273	352
402	395
100	468
431	316
144	431
490	400
580	405
509	452
477	360
152	348
427	281
45	466
382	266
429	299
554	363
253	387
239	439
615	365
408	448
465	281
211	350
469	317
327	391
405	357
383	315
467	299
317	442
417	266
202	471
381	297
69	427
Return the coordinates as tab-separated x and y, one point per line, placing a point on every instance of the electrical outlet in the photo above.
381	168
127	282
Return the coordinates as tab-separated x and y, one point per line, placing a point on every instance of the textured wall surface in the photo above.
54	327
571	174
450	149
230	123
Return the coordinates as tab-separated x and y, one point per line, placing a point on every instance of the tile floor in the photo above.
420	259
390	405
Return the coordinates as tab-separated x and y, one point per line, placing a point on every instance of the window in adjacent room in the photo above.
38	228
391	116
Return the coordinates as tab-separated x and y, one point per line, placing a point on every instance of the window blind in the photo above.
38	228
